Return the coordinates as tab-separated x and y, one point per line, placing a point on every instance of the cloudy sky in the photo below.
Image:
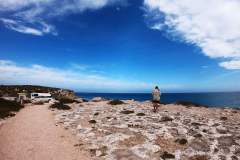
121	45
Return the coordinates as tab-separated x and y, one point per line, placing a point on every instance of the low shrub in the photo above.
92	121
127	112
140	114
167	155
115	102
65	100
190	104
27	101
181	141
60	106
166	119
7	107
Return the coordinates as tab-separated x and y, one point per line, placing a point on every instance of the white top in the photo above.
156	94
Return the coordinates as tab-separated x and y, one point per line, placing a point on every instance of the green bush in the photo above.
60	106
115	102
7	107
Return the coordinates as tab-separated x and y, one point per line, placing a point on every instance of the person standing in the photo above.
156	98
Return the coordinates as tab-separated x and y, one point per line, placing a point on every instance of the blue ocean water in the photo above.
223	99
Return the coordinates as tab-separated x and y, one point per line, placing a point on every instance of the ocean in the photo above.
223	99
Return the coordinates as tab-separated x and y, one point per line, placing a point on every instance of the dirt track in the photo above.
32	135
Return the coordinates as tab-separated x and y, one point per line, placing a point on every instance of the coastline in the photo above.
124	129
211	99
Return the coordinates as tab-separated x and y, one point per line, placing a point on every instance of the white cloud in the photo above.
234	64
12	73
212	25
8	5
21	27
34	14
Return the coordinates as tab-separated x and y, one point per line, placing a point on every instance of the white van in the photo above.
45	97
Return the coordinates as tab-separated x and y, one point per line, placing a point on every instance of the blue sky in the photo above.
120	45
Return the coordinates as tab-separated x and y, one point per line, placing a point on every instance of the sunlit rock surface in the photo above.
133	131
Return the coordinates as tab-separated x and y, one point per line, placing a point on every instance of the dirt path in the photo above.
32	135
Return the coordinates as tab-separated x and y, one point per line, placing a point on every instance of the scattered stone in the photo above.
145	150
140	114
96	114
234	158
124	154
181	141
167	155
234	111
200	145
198	135
92	121
237	151
216	150
132	141
223	118
79	100
92	152
204	130
186	121
196	124
97	99
166	119
98	153
221	157
199	157
190	104
187	134
115	102
221	130
226	141
127	112
78	145
225	150
215	125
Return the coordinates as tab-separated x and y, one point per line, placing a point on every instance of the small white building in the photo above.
21	97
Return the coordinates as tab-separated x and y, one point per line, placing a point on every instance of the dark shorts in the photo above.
154	101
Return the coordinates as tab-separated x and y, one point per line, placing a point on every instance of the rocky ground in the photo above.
132	131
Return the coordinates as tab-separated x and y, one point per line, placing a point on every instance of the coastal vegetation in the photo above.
115	102
65	100
13	90
8	108
60	106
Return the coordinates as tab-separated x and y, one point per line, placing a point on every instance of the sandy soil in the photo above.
33	135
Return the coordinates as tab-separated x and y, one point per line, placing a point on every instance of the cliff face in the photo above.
13	90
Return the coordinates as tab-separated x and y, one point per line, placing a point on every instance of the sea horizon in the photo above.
211	99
